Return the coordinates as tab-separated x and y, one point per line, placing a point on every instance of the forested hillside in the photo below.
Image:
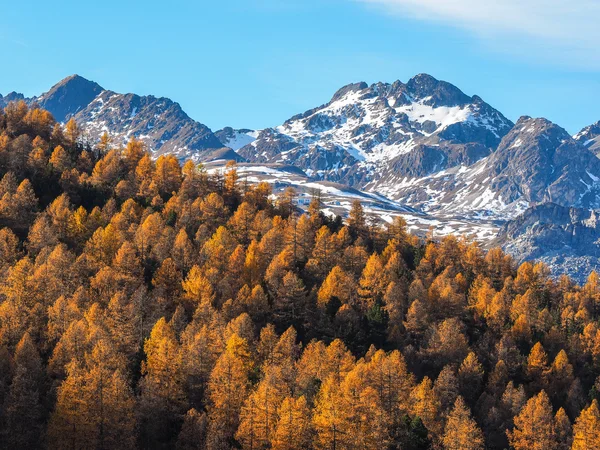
145	304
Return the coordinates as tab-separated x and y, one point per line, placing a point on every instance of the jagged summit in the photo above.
159	122
541	162
11	97
536	162
366	132
424	141
352	87
69	96
437	93
422	87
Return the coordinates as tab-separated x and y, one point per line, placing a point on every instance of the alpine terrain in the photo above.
423	149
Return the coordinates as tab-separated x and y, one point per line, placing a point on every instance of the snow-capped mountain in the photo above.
418	128
536	162
590	137
421	149
423	143
159	122
429	145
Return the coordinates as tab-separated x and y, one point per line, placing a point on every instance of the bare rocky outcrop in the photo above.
590	137
567	239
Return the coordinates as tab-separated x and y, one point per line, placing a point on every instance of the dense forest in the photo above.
146	304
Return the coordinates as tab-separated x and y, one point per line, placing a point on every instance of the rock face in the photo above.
69	96
539	162
536	162
590	137
159	122
11	97
431	146
424	143
567	239
368	133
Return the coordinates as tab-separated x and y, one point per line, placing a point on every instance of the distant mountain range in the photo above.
427	144
423	144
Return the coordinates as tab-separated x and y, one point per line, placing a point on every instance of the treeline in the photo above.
145	304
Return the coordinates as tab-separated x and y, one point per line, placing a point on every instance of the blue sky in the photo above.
255	63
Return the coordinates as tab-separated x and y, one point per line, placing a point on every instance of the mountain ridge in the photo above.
364	127
161	123
424	141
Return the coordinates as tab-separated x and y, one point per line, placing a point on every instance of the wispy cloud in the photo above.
564	29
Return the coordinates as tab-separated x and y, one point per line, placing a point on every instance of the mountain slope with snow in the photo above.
429	145
536	162
420	127
159	122
421	149
590	137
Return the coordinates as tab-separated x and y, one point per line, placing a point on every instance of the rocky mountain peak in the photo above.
566	239
10	97
534	135
352	87
539	161
435	92
68	96
421	88
593	129
380	132
157	121
76	81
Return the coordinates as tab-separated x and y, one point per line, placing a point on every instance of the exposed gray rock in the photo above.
536	162
68	97
590	137
539	162
159	122
567	239
11	97
368	133
423	144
